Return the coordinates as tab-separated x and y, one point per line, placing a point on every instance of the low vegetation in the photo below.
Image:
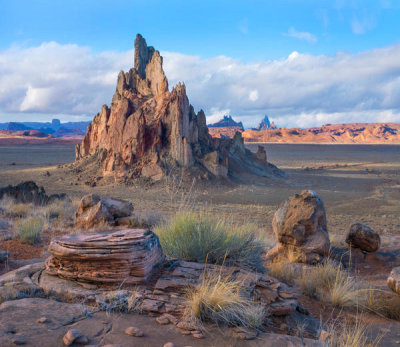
29	230
119	301
220	300
201	237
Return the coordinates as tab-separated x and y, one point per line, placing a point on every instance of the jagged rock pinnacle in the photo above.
143	55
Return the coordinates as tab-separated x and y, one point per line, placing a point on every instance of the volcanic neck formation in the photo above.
148	128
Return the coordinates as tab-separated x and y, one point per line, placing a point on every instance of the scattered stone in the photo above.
198	335
124	256
185	332
42	320
186	326
162	320
71	335
244	333
169	344
324	336
94	210
82	340
393	280
363	237
300	224
172	319
19	340
133	331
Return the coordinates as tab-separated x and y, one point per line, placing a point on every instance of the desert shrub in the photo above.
11	208
281	271
349	335
119	301
380	302
201	237
220	300
29	230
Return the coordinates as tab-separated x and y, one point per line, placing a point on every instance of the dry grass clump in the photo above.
120	301
380	302
202	237
282	271
220	300
348	335
29	230
13	209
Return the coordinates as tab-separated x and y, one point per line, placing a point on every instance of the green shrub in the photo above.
29	230
202	238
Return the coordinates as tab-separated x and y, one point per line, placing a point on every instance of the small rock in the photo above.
162	320
71	336
82	340
198	336
42	320
363	237
245	334
185	332
133	331
186	326
19	340
169	344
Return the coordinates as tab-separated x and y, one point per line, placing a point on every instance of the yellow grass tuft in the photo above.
29	230
220	300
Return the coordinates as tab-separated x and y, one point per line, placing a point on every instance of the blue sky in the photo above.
246	33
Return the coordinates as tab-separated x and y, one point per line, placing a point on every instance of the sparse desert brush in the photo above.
320	277
120	301
282	271
11	208
220	300
200	236
29	230
349	335
380	302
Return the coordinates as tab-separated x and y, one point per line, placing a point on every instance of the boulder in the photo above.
300	224
363	237
94	210
124	256
393	280
30	192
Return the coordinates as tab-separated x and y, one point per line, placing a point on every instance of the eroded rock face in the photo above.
30	192
124	256
148	126
94	210
300	224
363	237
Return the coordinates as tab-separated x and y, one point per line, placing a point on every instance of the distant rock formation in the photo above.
147	128
265	124
329	133
227	121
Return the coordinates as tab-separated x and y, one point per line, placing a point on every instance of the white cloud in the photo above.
301	90
302	35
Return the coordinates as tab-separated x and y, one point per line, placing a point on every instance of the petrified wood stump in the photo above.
124	256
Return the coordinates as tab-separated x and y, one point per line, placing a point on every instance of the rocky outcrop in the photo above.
265	124
363	237
227	121
147	128
393	280
94	210
125	256
300	224
29	192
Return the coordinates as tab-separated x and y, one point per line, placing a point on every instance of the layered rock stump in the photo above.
126	256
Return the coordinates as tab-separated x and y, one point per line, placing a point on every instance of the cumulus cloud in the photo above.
302	35
301	90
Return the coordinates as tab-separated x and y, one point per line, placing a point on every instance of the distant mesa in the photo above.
14	126
227	121
148	129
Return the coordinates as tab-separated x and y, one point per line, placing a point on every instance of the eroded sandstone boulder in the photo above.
94	209
148	126
300	224
363	237
393	280
124	256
